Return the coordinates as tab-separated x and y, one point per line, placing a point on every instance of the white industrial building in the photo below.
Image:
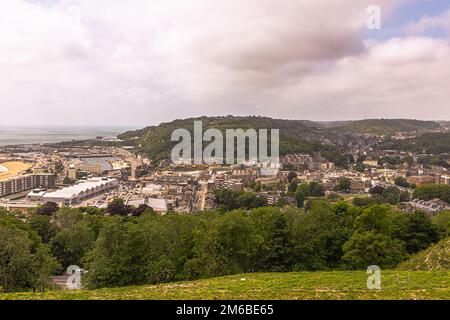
158	205
77	193
152	190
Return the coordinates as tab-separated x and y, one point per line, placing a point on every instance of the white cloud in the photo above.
113	62
428	23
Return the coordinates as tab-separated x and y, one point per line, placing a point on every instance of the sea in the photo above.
34	135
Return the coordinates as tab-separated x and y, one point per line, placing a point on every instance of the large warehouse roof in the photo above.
159	205
75	190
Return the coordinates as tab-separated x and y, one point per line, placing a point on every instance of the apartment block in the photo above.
26	182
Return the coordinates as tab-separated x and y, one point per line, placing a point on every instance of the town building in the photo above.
296	161
153	190
232	184
272	199
443	179
77	193
421	180
158	205
72	173
22	206
357	186
371	163
26	182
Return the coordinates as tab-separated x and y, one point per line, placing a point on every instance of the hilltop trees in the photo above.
343	184
291	175
278	258
305	190
24	261
141	209
15	258
68	181
44	227
230	200
442	222
377	190
119	250
373	241
109	260
402	182
363	201
226	199
42	267
118	207
416	230
71	244
236	239
433	191
367	248
300	199
379	195
293	184
386	237
316	189
318	237
249	200
392	195
47	209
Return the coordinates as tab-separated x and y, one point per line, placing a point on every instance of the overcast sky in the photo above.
141	62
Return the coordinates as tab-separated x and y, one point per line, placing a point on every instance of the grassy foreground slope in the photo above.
436	257
276	286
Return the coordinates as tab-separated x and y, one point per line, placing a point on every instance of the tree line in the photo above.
146	248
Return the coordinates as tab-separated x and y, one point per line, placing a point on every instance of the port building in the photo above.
77	193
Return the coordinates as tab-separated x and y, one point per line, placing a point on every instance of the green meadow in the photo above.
341	285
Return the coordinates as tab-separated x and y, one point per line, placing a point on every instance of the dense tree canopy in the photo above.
343	184
433	191
25	262
47	209
119	250
229	200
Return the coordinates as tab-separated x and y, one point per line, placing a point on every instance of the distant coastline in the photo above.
37	135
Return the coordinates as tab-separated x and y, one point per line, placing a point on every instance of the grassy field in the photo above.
284	286
14	168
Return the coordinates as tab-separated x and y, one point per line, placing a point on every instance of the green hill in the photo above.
274	286
388	126
296	136
434	143
436	257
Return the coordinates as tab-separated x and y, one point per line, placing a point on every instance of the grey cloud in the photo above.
153	61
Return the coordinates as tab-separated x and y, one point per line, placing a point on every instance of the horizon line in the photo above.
132	126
